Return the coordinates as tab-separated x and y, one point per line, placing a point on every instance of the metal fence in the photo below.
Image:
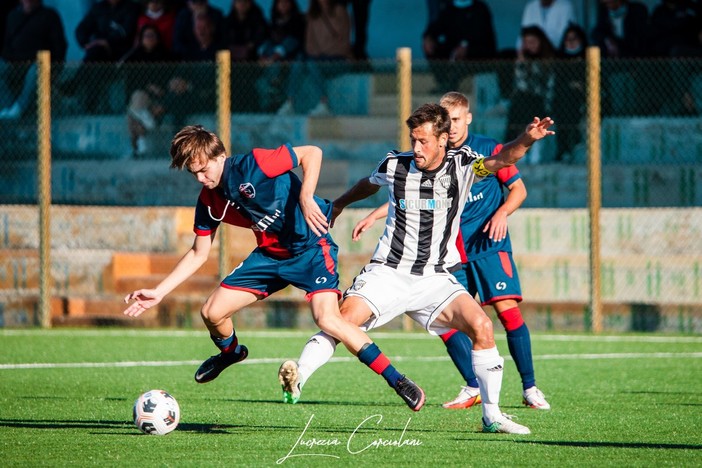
111	125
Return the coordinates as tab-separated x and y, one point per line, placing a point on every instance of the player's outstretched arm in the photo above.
365	224
310	159
361	190
517	148
194	258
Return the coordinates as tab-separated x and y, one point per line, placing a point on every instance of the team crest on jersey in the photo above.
247	190
445	181
358	285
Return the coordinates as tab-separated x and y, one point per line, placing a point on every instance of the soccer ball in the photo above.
156	412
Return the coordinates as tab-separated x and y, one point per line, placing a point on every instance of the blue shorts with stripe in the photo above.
314	270
493	278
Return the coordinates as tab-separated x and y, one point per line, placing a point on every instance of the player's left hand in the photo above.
313	215
539	128
496	227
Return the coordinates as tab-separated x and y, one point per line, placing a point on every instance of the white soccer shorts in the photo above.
390	293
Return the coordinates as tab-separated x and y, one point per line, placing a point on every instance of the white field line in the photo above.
254	361
306	334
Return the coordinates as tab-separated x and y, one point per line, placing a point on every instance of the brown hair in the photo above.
194	144
454	99
430	113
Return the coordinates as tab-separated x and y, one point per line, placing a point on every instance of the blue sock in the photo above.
459	347
371	356
519	342
227	345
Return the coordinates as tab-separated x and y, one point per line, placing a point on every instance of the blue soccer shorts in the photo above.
493	278
313	271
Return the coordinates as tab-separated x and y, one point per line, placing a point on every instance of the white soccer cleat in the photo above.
289	378
467	397
504	424
534	398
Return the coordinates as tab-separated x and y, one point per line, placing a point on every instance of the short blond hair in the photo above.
454	99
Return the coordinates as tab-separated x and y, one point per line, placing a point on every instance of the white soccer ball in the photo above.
156	412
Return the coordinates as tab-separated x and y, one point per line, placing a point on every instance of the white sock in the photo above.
317	351
488	366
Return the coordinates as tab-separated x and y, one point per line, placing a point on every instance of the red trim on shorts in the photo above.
446	336
511	318
238	288
501	298
308	296
328	260
379	364
506	264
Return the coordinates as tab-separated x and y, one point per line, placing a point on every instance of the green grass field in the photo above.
66	399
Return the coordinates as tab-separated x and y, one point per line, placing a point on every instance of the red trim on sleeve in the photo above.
273	162
203	232
506	173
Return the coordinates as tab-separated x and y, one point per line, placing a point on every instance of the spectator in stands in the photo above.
621	31
570	92
193	88
327	46
105	33
184	40
246	29
676	27
552	16
534	83
5	8
360	9
284	44
30	27
463	32
146	77
160	14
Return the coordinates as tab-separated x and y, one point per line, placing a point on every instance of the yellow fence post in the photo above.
224	130
404	108
404	95
44	184
594	127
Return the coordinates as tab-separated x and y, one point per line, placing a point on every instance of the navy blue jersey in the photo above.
259	191
485	197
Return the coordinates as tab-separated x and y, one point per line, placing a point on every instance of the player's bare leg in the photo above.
217	314
466	315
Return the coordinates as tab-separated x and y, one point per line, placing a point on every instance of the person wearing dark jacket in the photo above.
30	27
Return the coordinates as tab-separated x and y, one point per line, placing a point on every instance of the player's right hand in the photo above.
361	227
143	299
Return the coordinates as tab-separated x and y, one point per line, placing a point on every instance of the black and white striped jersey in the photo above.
424	211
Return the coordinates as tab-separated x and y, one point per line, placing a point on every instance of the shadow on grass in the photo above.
611	444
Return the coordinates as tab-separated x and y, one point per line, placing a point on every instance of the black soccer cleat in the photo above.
212	367
411	393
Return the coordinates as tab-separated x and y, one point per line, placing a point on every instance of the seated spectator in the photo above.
184	39
462	32
360	10
246	29
621	32
159	13
30	27
146	77
534	82
552	16
287	32
327	46
5	8
193	88
570	92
